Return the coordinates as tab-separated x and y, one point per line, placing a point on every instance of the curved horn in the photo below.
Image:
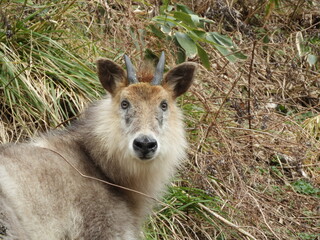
131	74
159	71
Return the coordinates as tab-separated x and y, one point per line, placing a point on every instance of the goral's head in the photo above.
146	111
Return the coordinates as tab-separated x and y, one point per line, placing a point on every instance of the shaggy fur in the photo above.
43	197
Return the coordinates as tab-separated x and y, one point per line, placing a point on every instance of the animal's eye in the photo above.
125	104
164	105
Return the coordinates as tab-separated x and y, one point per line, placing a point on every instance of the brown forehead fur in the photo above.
144	92
145	71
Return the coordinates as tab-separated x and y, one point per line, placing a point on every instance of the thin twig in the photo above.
227	222
298	6
100	180
249	94
264	218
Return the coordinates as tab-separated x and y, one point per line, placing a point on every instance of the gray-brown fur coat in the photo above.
134	138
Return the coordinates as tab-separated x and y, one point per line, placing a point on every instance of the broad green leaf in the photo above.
187	44
195	19
199	33
184	17
203	56
189	19
166	28
225	46
220	39
181	53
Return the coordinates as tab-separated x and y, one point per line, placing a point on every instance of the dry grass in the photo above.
253	126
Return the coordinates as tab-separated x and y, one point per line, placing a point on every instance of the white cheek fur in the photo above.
116	138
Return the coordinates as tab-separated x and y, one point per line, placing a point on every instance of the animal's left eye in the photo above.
164	105
125	104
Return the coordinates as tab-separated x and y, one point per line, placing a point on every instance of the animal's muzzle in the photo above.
145	147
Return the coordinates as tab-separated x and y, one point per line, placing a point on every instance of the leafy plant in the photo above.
304	187
187	30
308	236
305	52
282	109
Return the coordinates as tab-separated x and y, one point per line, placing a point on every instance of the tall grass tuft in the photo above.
43	79
181	205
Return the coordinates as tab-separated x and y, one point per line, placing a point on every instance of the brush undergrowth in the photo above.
253	124
44	79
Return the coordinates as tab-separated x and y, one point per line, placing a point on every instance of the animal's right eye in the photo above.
125	104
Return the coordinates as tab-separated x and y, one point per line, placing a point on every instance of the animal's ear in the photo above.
179	79
110	74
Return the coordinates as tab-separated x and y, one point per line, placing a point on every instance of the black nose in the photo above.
145	146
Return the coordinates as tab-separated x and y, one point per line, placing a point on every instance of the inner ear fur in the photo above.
180	78
110	74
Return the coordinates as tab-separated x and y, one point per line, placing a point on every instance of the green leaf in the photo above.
304	187
166	28
184	17
187	44
195	19
203	57
226	53
282	109
225	46
183	8
312	59
266	39
156	31
192	20
181	53
239	55
220	39
199	33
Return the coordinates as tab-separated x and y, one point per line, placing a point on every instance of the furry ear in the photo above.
179	78
110	74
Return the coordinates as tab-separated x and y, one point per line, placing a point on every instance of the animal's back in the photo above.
43	197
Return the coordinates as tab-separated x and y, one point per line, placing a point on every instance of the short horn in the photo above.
159	71
131	74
